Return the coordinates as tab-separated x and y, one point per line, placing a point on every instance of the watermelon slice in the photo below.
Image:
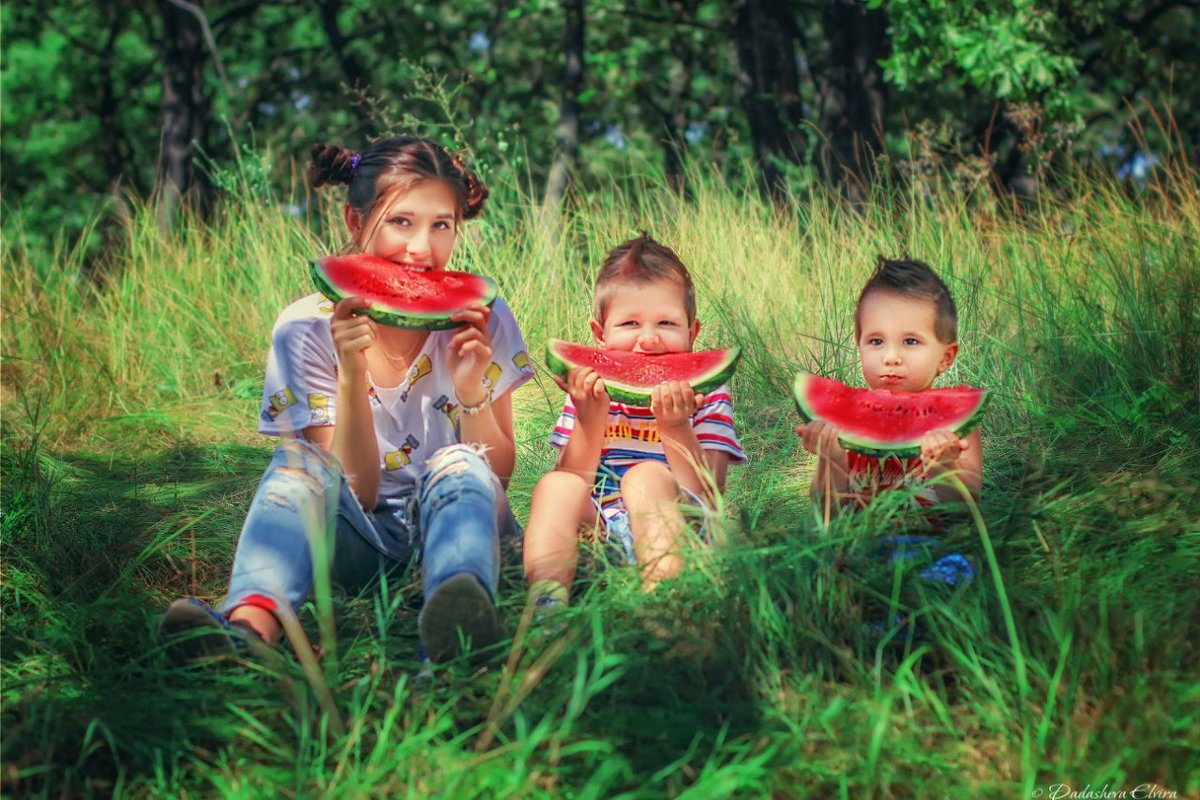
886	423
630	376
401	297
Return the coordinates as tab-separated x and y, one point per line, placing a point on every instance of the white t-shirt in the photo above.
412	420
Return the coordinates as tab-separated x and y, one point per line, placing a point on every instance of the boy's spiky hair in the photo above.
908	277
639	261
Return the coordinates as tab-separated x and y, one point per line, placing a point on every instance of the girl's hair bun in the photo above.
477	193
332	164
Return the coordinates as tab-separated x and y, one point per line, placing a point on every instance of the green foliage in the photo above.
1008	50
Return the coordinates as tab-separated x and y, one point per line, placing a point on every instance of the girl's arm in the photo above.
491	427
352	438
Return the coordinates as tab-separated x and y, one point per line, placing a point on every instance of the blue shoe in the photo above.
952	569
457	614
192	630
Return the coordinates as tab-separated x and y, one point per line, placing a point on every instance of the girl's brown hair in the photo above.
389	167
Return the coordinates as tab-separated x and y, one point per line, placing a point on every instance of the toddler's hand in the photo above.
821	439
673	403
588	393
352	335
941	449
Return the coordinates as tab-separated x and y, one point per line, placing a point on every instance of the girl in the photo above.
411	431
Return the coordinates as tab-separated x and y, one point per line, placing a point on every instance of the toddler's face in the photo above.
416	230
898	347
647	318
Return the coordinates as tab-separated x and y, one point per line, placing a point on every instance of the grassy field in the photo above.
129	459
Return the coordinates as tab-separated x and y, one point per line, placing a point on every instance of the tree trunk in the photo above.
566	134
853	96
111	139
675	114
767	84
184	108
357	76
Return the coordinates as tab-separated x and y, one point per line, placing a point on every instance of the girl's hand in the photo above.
941	449
588	394
470	354
352	335
821	439
673	403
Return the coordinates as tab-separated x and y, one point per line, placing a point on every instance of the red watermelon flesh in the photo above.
399	296
887	423
630	376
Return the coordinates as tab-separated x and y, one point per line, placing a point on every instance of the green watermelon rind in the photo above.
639	396
870	447
397	319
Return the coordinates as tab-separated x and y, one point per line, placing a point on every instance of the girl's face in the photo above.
416	229
647	318
898	347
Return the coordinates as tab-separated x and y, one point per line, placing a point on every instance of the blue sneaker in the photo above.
952	569
458	612
192	630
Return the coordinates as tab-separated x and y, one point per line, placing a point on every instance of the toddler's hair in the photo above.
389	167
908	277
640	261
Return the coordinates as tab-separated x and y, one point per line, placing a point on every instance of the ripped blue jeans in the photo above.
452	523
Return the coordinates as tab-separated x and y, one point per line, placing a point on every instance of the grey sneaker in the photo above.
458	612
192	630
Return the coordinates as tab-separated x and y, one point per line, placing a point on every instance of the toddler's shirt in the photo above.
868	476
412	420
631	437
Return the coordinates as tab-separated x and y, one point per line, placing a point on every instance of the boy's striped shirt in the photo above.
631	435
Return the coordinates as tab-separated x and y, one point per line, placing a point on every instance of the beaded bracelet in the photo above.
471	411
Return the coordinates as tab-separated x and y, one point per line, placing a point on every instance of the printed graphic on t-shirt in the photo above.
521	360
490	376
417	371
318	404
278	401
448	407
628	429
399	459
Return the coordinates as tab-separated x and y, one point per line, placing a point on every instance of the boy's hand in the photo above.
588	393
941	449
673	403
821	439
352	335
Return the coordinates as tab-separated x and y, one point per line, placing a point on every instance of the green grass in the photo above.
129	459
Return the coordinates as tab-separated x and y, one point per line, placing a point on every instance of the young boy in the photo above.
626	468
906	326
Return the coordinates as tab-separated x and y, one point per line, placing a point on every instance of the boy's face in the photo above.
646	318
897	344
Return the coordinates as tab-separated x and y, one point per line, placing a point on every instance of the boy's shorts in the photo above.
618	535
